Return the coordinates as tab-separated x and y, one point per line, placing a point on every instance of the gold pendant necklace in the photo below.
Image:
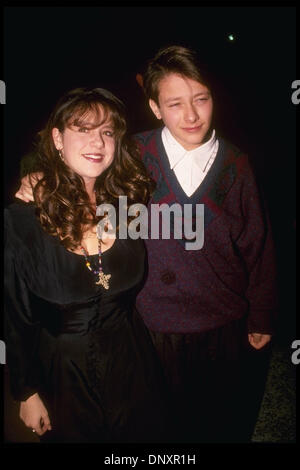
102	278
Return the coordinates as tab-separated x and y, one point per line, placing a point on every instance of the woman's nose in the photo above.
97	138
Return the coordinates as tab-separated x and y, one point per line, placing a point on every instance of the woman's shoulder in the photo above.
20	218
20	209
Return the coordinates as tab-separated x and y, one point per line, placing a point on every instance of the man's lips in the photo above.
192	129
93	157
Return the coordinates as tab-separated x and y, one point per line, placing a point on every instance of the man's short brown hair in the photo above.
173	59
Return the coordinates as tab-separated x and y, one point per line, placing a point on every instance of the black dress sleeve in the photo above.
21	331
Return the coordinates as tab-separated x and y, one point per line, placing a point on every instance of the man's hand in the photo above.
34	414
258	340
25	191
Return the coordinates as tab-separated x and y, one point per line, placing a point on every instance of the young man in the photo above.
204	306
206	309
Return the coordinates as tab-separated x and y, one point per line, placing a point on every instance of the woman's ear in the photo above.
57	138
155	109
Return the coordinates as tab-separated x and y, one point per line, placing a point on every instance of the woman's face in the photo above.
86	149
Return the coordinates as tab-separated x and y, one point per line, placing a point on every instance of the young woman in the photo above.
81	360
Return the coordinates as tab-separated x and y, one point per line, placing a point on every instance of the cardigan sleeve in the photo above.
29	163
257	248
21	331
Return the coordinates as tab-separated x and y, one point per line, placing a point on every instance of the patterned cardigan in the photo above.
233	275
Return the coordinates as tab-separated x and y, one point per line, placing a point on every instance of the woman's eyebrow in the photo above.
83	123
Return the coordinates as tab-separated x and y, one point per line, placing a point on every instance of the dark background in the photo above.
49	50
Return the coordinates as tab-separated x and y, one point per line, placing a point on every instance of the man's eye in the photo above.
174	104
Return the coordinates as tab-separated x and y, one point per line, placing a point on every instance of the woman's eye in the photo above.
83	129
109	133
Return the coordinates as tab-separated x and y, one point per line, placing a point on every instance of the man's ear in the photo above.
155	109
57	138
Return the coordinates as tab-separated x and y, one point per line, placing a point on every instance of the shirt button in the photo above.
168	277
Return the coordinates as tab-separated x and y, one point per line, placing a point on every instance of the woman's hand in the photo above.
34	415
25	191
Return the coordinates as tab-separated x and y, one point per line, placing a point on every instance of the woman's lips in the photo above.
93	157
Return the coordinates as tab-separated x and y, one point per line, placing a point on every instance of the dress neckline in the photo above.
91	256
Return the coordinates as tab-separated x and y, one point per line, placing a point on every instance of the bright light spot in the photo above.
231	37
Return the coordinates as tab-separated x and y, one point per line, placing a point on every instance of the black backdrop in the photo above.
49	50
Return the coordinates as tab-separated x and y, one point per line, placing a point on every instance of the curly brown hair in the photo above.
63	205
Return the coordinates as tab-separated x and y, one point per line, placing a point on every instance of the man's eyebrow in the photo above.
173	99
202	93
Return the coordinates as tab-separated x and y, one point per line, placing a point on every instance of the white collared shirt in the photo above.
190	166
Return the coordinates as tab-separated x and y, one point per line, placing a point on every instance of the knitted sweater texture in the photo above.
233	274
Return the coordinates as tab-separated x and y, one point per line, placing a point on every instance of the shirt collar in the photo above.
176	152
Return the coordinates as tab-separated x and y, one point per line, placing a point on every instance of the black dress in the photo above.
84	349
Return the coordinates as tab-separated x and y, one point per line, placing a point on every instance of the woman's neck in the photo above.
89	186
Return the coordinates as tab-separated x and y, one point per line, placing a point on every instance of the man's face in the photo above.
186	108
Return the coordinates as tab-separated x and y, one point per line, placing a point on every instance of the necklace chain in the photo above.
102	278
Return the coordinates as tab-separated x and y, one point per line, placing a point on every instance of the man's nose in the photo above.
191	114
